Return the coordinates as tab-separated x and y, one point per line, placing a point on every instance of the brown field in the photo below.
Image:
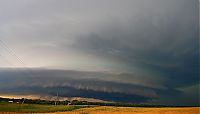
129	110
134	110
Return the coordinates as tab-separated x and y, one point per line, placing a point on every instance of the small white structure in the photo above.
10	101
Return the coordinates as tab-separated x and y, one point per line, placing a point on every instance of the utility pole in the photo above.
56	98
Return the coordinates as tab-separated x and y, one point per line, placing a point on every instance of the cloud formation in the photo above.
99	85
146	48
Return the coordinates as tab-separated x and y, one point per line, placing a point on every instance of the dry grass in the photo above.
134	110
129	110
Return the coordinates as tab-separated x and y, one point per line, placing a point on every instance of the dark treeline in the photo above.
124	104
34	101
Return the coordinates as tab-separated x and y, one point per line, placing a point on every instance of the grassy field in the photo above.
133	110
6	108
33	108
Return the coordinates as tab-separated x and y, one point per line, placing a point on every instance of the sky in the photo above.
139	51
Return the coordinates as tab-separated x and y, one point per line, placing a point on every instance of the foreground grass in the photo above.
35	108
134	110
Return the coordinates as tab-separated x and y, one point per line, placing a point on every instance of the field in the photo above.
61	109
134	110
35	108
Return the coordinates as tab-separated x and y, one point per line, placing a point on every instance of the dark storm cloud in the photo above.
150	49
71	83
68	83
163	40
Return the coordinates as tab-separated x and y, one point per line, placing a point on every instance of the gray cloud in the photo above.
150	45
158	41
82	84
34	81
97	81
44	82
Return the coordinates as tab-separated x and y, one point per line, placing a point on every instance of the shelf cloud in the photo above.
142	50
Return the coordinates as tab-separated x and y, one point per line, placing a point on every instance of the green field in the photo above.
33	108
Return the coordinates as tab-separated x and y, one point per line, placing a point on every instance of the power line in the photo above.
12	52
11	64
7	61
